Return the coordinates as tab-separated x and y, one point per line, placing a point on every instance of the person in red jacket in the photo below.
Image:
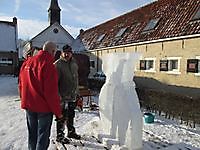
38	89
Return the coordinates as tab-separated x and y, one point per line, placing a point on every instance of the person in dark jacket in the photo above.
38	89
67	69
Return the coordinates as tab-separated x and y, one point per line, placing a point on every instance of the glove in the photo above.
60	120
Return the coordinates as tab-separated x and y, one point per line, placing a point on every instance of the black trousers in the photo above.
68	111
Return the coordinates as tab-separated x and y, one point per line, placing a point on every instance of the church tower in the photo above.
54	12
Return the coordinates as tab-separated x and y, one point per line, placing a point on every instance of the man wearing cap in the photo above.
67	69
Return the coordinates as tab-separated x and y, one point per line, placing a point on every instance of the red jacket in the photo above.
38	84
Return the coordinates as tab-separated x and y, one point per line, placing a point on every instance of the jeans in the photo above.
39	130
68	114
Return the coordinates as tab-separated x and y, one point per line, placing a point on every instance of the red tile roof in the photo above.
175	19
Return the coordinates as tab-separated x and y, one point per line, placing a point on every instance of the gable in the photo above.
55	33
7	37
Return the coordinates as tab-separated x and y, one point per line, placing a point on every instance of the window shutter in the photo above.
142	65
192	65
163	65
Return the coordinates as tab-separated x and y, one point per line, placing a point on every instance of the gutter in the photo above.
147	42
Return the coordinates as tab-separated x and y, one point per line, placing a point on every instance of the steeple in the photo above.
54	12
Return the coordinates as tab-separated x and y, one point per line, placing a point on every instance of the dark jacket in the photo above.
67	78
38	82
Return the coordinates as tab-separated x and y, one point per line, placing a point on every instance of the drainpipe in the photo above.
15	54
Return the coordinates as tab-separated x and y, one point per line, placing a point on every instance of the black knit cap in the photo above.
67	48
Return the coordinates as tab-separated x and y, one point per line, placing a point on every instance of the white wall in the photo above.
7	37
61	38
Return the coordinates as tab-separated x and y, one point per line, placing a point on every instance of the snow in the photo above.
162	134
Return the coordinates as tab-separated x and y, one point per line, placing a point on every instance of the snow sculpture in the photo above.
106	102
120	113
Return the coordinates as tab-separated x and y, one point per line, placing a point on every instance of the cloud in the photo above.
87	19
71	8
74	31
27	29
89	14
17	5
5	18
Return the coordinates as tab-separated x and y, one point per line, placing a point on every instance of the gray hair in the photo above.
49	46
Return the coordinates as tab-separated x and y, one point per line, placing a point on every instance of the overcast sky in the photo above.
32	15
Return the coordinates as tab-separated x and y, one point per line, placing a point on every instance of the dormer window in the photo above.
197	15
121	32
152	24
100	38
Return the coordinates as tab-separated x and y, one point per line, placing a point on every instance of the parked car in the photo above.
99	76
97	80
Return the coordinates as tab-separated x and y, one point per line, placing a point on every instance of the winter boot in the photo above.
62	139
74	135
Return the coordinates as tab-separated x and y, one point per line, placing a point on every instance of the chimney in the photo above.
14	21
81	31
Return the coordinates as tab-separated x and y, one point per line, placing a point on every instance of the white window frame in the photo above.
154	65
174	71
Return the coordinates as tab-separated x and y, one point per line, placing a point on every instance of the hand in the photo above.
61	116
60	119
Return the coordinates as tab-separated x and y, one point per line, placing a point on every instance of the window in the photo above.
171	65
142	64
100	38
55	30
163	65
192	65
197	15
121	32
92	64
6	61
151	25
148	64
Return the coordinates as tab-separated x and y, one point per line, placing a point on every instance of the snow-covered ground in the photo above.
162	134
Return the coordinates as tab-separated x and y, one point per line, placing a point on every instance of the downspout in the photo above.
16	54
97	61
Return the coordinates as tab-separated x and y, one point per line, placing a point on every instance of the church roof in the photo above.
158	20
54	5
